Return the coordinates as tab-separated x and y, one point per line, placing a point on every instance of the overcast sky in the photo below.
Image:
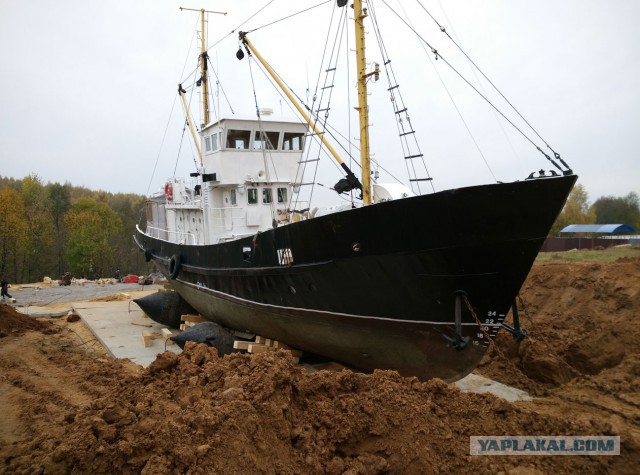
88	87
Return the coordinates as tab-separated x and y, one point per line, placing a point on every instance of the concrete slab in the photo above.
475	383
118	325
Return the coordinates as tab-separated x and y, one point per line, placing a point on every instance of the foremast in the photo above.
363	109
203	81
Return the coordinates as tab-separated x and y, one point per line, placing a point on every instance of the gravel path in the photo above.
71	293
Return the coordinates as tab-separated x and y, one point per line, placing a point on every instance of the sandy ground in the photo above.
68	409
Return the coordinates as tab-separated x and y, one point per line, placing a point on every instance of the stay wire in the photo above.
289	16
443	30
444	60
261	131
399	121
459	112
164	135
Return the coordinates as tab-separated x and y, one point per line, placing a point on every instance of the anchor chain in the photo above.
599	386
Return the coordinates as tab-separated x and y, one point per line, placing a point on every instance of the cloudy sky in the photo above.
88	87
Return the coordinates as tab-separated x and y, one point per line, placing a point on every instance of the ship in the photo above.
419	283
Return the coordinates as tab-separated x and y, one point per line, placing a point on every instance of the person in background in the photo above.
5	285
118	275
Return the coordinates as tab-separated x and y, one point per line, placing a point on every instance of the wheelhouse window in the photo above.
267	195
215	141
265	140
282	195
238	139
293	141
252	196
234	197
207	144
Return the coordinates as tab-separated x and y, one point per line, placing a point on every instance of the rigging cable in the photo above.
399	124
289	16
444	60
459	112
272	205
164	136
443	30
475	75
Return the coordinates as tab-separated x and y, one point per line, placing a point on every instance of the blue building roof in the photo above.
598	228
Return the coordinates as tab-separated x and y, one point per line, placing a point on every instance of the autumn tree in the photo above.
612	210
37	259
13	232
60	203
575	211
91	227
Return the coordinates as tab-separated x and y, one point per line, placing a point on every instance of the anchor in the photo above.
516	330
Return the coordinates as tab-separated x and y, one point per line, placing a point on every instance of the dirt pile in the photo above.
69	412
14	323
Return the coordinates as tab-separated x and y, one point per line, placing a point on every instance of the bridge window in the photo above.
266	140
215	141
267	195
293	141
252	196
234	198
238	139
282	195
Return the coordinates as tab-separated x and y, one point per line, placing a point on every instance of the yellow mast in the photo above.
204	79
203	72
363	108
181	91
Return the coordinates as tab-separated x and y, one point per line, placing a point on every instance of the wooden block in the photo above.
269	342
183	327
192	318
257	348
242	345
166	333
260	340
279	344
146	338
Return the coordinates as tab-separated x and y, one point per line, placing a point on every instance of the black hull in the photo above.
375	287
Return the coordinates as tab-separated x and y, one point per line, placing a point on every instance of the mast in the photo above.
203	72
204	59
363	108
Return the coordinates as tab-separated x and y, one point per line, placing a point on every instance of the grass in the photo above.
587	255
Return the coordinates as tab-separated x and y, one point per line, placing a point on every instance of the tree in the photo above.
612	210
37	257
13	231
60	199
575	211
92	227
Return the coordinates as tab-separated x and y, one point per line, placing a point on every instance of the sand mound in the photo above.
15	323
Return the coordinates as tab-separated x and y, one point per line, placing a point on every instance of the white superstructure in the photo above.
244	185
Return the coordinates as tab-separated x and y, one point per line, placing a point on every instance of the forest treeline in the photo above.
49	229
